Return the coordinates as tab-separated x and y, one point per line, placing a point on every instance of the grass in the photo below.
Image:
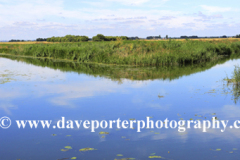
145	53
32	42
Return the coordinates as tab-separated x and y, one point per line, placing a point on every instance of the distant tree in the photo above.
160	36
41	39
16	40
99	37
166	36
68	38
238	36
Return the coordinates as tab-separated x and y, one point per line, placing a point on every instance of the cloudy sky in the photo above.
28	19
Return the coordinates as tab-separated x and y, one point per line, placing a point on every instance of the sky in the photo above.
28	19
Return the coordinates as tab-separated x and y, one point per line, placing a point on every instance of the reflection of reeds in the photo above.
116	72
144	53
233	85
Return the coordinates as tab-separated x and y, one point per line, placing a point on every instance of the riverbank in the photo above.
145	53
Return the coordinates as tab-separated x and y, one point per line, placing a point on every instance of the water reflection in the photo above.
43	89
127	72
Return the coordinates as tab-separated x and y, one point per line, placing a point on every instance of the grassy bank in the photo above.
129	52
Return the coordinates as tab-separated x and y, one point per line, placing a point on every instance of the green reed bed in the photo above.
131	52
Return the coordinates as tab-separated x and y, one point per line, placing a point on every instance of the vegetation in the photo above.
233	84
97	38
235	77
144	53
68	38
16	40
41	39
238	36
101	37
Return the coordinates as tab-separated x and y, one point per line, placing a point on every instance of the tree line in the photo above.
100	37
97	38
16	40
72	38
68	38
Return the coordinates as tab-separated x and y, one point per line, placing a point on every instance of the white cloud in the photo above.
53	18
216	8
130	2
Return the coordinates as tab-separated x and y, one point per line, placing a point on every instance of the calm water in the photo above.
44	90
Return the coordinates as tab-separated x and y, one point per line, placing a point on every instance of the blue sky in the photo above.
28	19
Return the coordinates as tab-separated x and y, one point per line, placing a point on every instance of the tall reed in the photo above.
132	52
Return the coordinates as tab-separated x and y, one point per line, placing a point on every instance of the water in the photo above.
32	89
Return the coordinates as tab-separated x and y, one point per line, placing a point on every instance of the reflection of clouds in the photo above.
228	135
211	134
5	100
22	71
158	106
67	92
231	111
228	64
227	112
63	93
164	134
6	106
136	83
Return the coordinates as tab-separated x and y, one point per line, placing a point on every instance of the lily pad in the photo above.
74	158
119	155
68	147
86	149
154	157
125	159
103	132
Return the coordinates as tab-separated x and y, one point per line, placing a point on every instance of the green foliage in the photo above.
101	37
236	74
156	53
98	38
41	39
238	36
68	38
16	40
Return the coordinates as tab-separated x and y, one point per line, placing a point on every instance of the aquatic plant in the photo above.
233	85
